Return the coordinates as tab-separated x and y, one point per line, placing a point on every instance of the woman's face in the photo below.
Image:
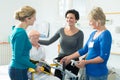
70	19
31	20
93	24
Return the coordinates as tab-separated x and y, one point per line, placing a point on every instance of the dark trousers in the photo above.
18	74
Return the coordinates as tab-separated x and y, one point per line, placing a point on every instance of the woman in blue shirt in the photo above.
21	45
97	48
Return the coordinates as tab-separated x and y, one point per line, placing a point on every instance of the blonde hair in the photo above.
24	12
97	14
33	33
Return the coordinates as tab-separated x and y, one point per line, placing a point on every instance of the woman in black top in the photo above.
70	39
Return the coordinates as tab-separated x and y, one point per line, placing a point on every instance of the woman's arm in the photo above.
51	40
67	59
80	40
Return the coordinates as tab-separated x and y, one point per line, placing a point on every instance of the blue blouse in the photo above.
100	46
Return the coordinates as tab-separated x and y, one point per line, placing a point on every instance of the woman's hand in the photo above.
65	59
81	64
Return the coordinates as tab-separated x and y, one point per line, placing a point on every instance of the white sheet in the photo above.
4	72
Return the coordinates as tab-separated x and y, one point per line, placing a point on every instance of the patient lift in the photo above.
67	75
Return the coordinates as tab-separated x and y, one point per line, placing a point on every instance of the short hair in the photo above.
24	12
97	14
73	11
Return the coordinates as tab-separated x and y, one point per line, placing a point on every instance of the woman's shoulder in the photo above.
107	33
79	32
19	32
61	30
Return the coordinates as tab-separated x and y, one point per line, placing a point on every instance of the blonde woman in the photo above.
21	45
97	48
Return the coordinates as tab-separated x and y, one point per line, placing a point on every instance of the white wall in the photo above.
47	10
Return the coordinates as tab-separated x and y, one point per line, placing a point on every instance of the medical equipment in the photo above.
45	68
66	73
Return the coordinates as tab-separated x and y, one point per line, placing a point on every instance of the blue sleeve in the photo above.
84	50
105	45
21	52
